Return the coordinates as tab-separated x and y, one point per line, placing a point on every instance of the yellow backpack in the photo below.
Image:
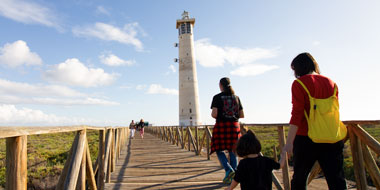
324	123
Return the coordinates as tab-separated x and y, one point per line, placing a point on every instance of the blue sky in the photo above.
107	62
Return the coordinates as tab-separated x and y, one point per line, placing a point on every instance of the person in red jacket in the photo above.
305	152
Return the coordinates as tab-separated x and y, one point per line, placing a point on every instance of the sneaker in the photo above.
229	176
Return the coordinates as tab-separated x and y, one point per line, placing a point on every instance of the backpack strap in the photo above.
335	89
304	87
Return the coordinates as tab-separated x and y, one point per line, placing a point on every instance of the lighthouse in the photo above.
189	114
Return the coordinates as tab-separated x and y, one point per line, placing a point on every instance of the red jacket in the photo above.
319	87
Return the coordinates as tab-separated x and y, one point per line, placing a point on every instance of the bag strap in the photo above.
304	87
307	91
310	99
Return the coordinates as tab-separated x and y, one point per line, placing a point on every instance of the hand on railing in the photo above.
282	159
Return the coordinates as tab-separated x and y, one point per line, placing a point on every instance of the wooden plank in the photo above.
192	140
371	166
285	169
15	131
90	176
16	163
101	157
81	184
202	143
275	153
183	138
107	157
21	131
209	135
361	181
76	159
180	139
196	141
315	170
63	175
113	150
366	138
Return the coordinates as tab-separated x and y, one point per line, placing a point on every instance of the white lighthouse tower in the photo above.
189	114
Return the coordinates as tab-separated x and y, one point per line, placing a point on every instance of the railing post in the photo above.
357	158
208	141
285	169
76	160
371	166
16	163
188	138
81	184
113	149
183	138
196	141
89	170
101	157
275	153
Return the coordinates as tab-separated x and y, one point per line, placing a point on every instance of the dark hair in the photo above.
248	144
303	64
226	84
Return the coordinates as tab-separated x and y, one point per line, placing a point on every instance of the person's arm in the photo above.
288	148
241	114
232	186
214	112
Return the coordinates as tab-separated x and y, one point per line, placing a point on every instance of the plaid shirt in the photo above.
225	136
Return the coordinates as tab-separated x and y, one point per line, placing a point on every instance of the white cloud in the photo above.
140	87
18	53
18	88
209	55
113	60
172	68
107	32
252	70
316	43
73	72
28	12
70	102
125	87
158	89
11	115
24	93
11	99
102	10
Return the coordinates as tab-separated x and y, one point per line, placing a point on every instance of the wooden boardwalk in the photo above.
151	163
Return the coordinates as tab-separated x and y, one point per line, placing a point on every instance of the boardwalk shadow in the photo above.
211	185
126	160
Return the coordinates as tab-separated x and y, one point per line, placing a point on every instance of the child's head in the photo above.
248	144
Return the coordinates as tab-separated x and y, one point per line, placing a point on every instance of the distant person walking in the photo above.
226	109
306	152
254	171
132	128
141	128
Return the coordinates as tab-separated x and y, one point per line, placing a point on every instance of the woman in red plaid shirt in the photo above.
226	109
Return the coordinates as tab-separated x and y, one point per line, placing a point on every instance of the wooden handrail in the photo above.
78	167
360	140
16	131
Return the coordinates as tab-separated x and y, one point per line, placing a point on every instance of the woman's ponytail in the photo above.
227	88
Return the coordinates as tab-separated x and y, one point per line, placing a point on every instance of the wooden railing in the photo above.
78	168
361	144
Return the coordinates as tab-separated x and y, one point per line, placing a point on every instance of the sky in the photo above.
104	63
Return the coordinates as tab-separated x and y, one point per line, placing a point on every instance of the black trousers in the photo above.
329	156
